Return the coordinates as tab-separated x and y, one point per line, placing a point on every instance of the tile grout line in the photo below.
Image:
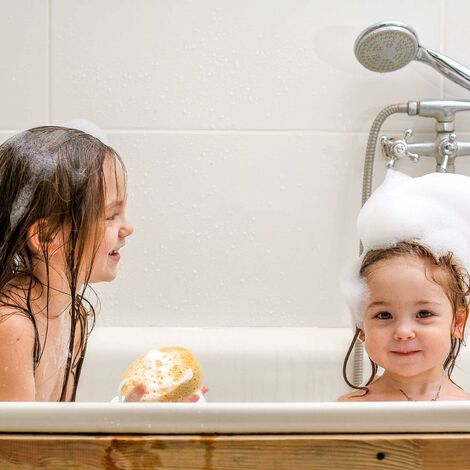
235	132
48	60
442	43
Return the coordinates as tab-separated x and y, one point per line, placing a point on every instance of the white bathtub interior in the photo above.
240	364
261	380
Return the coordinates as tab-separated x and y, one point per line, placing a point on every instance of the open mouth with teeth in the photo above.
115	255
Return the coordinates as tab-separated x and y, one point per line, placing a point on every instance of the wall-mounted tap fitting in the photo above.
445	148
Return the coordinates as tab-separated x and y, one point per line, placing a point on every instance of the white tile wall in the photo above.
236	229
24	75
228	65
456	47
243	125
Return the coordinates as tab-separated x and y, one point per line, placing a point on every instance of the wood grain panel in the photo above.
224	452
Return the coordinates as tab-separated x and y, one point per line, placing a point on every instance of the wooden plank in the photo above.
448	452
223	452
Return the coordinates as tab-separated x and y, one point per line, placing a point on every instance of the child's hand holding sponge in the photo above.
170	374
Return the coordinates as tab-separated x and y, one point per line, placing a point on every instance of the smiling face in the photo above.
408	320
116	226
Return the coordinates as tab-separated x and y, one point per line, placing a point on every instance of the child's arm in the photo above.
16	357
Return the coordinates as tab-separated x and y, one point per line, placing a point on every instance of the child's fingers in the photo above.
197	396
192	398
136	393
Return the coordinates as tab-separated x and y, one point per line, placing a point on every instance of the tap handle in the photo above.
394	149
448	146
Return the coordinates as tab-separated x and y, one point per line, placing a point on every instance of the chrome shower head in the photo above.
386	46
390	45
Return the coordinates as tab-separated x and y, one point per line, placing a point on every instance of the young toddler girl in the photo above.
62	226
408	293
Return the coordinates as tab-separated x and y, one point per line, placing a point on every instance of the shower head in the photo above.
386	46
390	45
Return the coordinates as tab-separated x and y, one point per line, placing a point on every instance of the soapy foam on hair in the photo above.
433	210
355	291
41	165
89	127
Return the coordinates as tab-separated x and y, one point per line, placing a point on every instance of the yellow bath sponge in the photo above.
170	374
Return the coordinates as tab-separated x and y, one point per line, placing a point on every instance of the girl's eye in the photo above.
383	315
424	314
112	217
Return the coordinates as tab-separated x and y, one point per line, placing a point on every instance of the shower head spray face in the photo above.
386	46
390	45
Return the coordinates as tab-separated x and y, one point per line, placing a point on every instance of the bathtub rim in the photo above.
236	418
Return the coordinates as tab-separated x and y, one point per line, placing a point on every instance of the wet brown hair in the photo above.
52	177
455	284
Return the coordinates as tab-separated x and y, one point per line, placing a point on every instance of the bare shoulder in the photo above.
456	393
355	396
15	327
16	354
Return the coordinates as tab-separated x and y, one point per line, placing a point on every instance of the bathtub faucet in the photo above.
445	148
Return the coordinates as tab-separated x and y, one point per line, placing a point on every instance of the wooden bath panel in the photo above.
236	452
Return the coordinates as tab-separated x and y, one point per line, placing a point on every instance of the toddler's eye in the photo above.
112	217
383	315
424	314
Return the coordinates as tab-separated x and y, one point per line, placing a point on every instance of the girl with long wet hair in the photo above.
62	225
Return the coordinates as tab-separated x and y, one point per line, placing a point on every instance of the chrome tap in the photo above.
445	148
394	149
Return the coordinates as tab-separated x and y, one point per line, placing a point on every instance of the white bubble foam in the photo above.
89	127
433	210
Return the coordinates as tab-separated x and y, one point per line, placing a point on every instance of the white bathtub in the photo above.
239	364
261	380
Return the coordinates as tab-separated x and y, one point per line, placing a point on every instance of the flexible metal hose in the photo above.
366	190
372	143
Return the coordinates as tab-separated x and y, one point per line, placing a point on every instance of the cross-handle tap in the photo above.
444	149
394	149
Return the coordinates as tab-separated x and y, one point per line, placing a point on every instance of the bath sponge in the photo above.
170	374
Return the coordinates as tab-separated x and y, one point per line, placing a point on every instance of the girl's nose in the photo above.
126	230
403	331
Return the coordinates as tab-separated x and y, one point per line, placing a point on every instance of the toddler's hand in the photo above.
136	393
196	396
